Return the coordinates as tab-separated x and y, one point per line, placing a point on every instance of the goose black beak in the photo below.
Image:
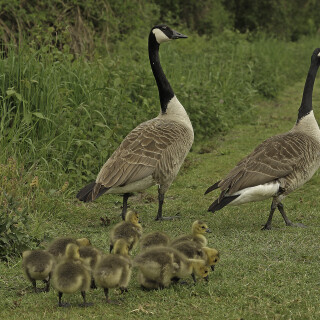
177	35
206	278
212	267
208	230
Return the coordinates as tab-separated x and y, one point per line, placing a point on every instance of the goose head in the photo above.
163	33
316	56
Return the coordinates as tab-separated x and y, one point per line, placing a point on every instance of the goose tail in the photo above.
220	203
213	187
91	191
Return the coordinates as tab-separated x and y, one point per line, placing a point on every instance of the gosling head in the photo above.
200	268
163	33
83	242
213	256
72	251
132	217
199	227
121	247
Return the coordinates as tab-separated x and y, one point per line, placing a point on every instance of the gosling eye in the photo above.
203	227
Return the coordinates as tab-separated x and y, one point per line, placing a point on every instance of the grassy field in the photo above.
262	274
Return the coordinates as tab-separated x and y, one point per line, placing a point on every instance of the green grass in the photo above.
261	275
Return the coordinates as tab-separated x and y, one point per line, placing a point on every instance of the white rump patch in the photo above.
257	193
160	36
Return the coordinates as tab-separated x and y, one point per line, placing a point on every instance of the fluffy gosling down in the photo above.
38	265
198	230
71	274
130	230
114	270
159	265
156	238
58	246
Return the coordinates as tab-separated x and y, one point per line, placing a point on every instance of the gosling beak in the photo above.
212	267
177	35
206	278
208	230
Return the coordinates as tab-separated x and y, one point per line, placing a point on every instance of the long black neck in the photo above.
165	91
306	103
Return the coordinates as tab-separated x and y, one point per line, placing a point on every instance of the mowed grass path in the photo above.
262	274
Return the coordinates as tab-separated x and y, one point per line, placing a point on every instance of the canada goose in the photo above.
38	265
159	265
129	230
114	270
156	238
211	256
71	274
198	229
91	254
153	152
58	246
280	164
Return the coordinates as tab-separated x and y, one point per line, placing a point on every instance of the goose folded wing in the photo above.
272	159
137	156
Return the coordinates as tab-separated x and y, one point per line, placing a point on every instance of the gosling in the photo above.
198	230
130	230
38	265
156	238
58	246
71	274
159	265
211	256
91	255
114	270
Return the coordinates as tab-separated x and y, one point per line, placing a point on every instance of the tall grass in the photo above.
66	117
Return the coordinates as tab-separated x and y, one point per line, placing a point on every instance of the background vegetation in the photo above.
75	79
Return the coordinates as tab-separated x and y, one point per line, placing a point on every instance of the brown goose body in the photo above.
280	164
153	152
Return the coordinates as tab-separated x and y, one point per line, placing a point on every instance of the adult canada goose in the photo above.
38	265
198	229
71	274
153	152
280	164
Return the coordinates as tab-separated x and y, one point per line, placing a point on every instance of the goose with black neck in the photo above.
153	152
280	164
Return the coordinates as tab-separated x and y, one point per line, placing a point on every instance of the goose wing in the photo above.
140	152
274	158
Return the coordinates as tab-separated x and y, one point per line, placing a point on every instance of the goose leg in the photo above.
161	200
85	303
285	218
267	226
60	302
125	205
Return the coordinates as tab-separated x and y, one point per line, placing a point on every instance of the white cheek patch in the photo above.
160	36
